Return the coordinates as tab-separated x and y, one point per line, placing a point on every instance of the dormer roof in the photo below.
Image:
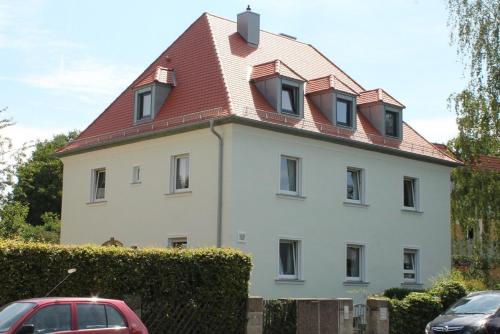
274	68
327	83
161	75
378	95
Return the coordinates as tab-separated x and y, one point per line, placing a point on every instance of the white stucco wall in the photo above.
144	216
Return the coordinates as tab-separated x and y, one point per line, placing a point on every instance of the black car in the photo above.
477	313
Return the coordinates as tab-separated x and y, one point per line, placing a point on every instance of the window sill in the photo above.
134	183
357	283
101	202
289	281
284	113
179	193
345	127
143	121
290	196
356	204
410	284
410	210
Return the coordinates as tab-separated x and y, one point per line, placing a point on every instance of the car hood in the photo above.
459	320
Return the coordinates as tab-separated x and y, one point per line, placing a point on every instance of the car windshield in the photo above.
10	313
476	304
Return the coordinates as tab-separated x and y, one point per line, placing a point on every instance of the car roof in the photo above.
486	292
46	300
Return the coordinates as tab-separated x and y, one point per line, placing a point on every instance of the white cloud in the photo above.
436	130
24	135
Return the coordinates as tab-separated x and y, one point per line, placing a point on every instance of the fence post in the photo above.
378	316
255	307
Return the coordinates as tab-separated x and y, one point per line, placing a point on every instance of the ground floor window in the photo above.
410	265
354	262
178	242
289	252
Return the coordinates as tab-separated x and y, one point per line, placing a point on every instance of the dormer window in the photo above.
392	123
145	106
344	113
289	99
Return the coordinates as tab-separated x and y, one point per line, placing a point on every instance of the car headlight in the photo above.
428	328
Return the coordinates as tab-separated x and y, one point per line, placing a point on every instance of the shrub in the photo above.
411	315
211	283
448	291
280	316
399	293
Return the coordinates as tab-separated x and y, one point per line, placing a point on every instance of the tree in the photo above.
39	179
6	158
476	195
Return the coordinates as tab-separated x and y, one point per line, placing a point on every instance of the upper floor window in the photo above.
180	177
136	174
290	99
289	175
98	184
145	105
410	193
391	123
344	112
354	186
289	261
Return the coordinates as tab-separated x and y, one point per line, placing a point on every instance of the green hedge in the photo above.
211	283
399	293
448	291
411	315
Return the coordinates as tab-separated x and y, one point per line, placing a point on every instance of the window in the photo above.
181	173
354	187
51	319
290	99
289	259
391	123
410	193
144	105
410	265
289	175
354	262
344	112
136	174
179	242
96	316
99	184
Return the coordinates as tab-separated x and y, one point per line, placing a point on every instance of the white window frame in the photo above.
416	270
298	259
416	193
362	262
173	176
361	185
136	174
173	240
93	185
298	176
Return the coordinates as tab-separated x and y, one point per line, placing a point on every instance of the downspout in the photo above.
219	185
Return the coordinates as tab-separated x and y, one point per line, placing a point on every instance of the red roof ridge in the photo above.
222	73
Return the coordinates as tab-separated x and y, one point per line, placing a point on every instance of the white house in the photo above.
239	137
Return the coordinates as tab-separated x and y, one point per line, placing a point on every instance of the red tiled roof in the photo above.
326	83
377	95
489	163
212	63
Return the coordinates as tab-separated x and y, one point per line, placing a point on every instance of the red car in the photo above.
69	315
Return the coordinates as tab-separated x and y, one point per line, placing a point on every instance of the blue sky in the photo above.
63	62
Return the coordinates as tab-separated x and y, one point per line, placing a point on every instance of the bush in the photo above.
448	291
411	315
399	293
211	283
281	316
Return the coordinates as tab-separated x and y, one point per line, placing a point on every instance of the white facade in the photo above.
319	219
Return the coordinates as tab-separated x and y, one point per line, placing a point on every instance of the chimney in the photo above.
249	26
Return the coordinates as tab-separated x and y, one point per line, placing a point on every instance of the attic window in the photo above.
145	105
391	123
344	112
290	99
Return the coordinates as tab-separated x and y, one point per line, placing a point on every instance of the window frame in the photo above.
36	311
177	239
137	104
140	107
298	91
94	180
396	123
173	176
104	305
362	262
349	115
361	185
416	271
297	242
298	176
415	193
136	174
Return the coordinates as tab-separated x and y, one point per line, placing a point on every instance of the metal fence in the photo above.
359	320
280	316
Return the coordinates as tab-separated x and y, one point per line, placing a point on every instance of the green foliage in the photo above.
399	293
448	291
40	179
13	218
411	315
213	281
471	282
280	316
6	156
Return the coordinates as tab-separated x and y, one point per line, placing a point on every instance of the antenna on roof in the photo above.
248	7
70	271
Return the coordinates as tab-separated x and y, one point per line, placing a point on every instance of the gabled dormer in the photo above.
282	87
383	111
151	92
335	100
